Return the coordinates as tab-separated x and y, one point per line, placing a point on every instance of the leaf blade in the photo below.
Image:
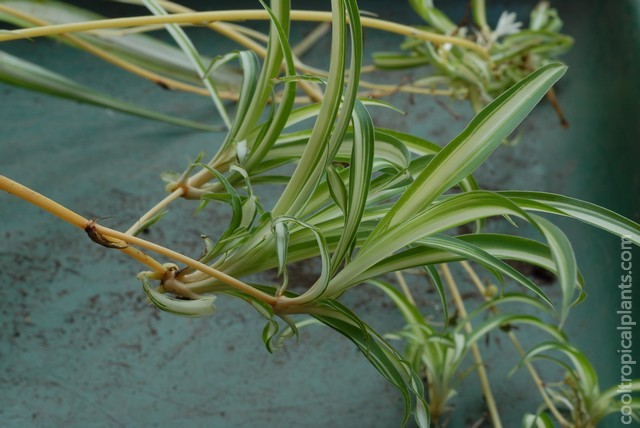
471	147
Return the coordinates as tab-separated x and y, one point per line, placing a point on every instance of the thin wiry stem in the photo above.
242	36
311	39
233	33
110	58
482	372
405	287
230	31
155	209
234	15
553	100
516	343
380	90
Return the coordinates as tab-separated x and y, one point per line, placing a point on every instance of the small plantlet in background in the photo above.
513	52
363	200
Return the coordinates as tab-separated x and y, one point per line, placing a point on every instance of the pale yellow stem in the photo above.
239	35
314	94
205	18
155	209
35	198
110	58
311	39
234	33
195	264
130	31
52	207
405	288
144	258
254	34
475	351
382	90
516	343
23	192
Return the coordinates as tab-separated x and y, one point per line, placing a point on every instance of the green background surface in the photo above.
80	347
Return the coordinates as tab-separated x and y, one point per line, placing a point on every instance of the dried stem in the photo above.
482	373
516	343
553	100
405	287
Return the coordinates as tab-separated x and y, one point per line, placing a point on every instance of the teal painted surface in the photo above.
80	347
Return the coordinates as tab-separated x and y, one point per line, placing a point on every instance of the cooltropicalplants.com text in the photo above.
626	327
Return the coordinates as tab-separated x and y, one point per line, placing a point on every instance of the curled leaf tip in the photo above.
202	306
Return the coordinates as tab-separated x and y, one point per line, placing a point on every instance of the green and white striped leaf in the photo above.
389	152
398	61
609	401
281	231
361	167
585	374
541	420
140	49
495	265
337	189
278	48
433	16
18	72
433	274
565	261
185	308
420	147
453	211
191	52
380	354
419	346
500	246
472	147
580	210
501	320
318	288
